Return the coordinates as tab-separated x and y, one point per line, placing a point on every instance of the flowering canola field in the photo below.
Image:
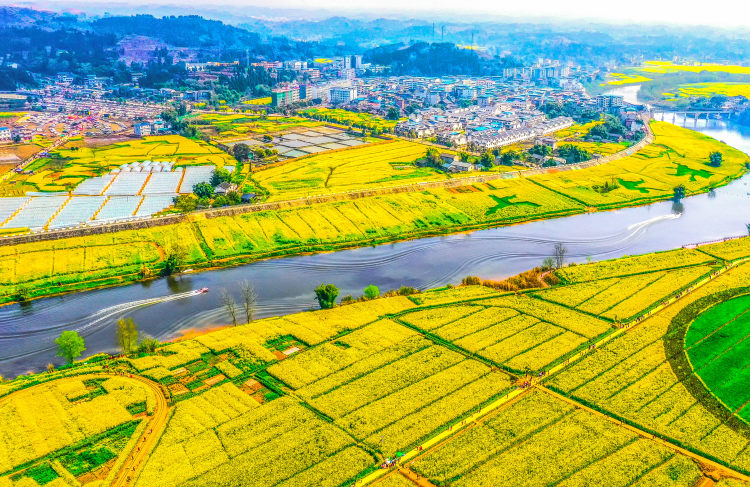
677	157
325	397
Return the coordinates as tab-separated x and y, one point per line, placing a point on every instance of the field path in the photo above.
724	471
414	477
156	423
147	442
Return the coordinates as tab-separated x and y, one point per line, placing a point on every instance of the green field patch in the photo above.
633	185
718	346
505	202
683	170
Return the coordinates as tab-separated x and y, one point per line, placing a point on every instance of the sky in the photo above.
717	13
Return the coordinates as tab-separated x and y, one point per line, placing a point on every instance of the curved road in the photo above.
148	440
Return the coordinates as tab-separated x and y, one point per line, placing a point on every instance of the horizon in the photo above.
546	11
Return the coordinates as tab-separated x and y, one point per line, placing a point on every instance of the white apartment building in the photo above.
340	95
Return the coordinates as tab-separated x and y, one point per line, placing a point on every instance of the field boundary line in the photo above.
635	321
444	435
643	434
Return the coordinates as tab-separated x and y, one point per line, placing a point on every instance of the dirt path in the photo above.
148	440
415	478
156	422
717	467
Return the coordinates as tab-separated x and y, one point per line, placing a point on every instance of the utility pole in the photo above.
442	32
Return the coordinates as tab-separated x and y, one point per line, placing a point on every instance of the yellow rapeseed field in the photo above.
404	375
368	166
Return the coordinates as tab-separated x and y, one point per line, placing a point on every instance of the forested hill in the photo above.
184	31
436	59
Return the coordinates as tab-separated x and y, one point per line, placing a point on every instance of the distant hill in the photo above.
187	31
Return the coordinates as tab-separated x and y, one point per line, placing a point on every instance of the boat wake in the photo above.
85	326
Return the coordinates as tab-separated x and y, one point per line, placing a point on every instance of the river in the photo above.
166	308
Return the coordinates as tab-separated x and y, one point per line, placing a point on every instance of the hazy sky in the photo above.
735	13
719	13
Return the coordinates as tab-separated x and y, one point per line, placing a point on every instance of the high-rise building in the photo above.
339	95
608	103
283	97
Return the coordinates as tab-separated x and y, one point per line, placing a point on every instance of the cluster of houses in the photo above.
481	128
150	127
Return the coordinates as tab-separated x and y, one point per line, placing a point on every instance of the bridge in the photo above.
687	118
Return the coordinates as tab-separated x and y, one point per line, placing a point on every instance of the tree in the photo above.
174	261
146	343
70	345
127	335
326	295
372	292
219	176
715	159
471	281
203	190
560	251
542	150
548	263
249	300
241	152
393	113
487	159
508	157
266	138
573	154
228	301
220	201
185	203
679	192
433	157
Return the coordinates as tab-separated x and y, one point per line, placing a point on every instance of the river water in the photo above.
166	308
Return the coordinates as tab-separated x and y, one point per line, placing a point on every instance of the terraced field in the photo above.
346	117
461	386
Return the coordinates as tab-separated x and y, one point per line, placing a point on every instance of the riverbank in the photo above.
164	307
39	269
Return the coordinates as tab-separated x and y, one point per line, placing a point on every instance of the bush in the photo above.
326	295
372	292
407	291
471	281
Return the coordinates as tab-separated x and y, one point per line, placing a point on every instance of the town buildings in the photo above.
340	95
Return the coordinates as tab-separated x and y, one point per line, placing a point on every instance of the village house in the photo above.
225	187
